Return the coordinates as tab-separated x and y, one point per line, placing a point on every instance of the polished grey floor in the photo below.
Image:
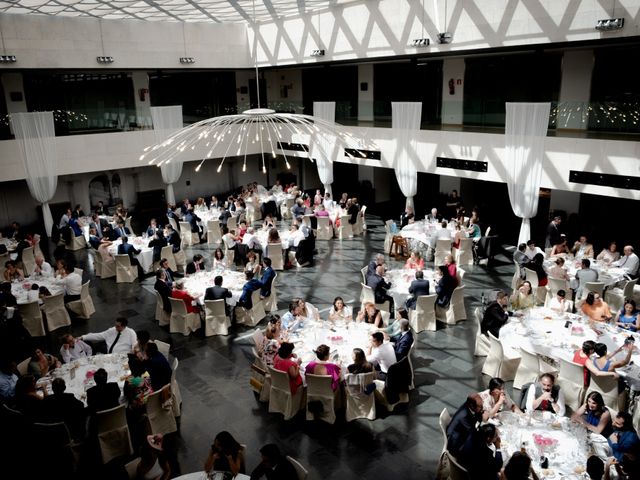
214	373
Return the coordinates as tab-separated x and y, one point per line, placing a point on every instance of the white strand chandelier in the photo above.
255	131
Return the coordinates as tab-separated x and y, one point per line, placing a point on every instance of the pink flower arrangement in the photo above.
543	441
26	285
335	338
90	374
577	329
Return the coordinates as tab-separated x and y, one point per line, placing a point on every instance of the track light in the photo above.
609	24
8	59
103	59
187	60
420	42
317	53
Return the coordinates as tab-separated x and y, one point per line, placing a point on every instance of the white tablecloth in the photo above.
401	281
78	374
608	275
263	238
198	283
423	232
20	289
571	444
145	257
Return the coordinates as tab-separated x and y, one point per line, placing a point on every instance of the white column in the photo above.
452	91
365	97
142	98
575	90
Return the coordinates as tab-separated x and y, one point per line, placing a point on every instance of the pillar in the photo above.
365	92
452	91
575	90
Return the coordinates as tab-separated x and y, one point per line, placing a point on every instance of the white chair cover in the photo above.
571	381
181	321
161	420
55	312
28	261
359	404
344	231
319	390
325	230
162	316
125	272
214	234
424	316
77	243
280	398
32	318
216	321
497	364
367	296
113	433
300	470
483	345
464	254
163	347
527	369
275	254
84	307
167	252
456	311
251	317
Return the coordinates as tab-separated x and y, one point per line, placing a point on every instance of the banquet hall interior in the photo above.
137	110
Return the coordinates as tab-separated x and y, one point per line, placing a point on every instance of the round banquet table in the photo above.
543	331
198	283
606	274
263	238
145	257
419	234
78	374
568	444
20	289
401	281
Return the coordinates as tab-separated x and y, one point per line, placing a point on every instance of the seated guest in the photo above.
139	349
523	298
27	401
593	414
560	248
441	233
270	344
274	465
414	262
153	228
496	315
119	338
604	362
103	251
157	242
380	286
157	366
558	270
6	297
463	423
64	407
340	311
249	287
307	311
298	210
546	396
219	262
532	250
537	266
450	263
72	284
218	292
42	268
481	453
406	216
628	262
321	212
521	259
360	364
418	287
121	230
197	265
180	293
322	366
268	274
381	355
559	303
595	308
104	395
73	348
610	254
445	286
164	289
374	264
474	230
582	249
94	239
173	238
434	216
125	248
74	224
624	438
42	363
628	317
251	240
581	356
584	275
292	319
370	314
99	209
8	379
286	361
495	399
12	272
192	219
402	342
170	275
225	455
252	263
518	468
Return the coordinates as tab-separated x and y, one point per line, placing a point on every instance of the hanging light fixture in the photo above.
255	131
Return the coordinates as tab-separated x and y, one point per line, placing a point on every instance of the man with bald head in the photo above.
628	262
380	286
463	423
373	264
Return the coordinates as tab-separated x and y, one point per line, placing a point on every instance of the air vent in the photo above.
605	180
457	164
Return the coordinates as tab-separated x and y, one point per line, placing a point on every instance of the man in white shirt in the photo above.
559	303
72	283
296	235
327	202
546	396
64	220
442	233
72	348
584	275
251	240
380	354
119	339
42	267
629	262
531	250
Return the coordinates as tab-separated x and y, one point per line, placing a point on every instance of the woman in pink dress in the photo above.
323	367
286	361
414	262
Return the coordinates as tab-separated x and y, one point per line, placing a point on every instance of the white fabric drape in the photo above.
166	121
525	131
323	148
36	136
405	121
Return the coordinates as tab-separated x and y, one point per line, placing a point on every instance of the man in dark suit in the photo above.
373	264
157	243
553	233
193	220
170	274
496	315
479	457
64	407
103	395
173	238
418	287
121	230
162	287
248	288
402	342
125	248
380	287
268	274
99	224
218	292
94	240
152	228
464	423
197	265
273	465
157	366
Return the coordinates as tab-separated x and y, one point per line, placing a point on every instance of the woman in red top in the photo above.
180	293
450	263
286	361
581	356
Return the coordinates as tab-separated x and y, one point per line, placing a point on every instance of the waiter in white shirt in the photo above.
72	283
73	349
119	339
